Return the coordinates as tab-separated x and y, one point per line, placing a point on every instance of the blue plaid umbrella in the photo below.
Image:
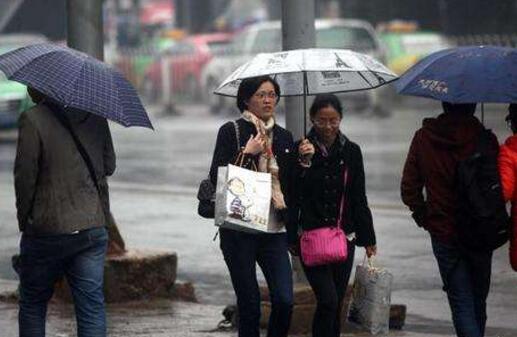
76	80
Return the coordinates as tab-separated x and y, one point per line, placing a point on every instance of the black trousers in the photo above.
242	252
329	283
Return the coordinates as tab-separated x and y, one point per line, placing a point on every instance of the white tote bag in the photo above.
243	200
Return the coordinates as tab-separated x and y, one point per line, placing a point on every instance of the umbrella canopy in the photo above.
76	80
482	74
311	72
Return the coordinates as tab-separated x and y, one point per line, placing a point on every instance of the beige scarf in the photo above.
267	161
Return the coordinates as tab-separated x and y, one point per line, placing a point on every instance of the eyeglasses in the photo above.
263	94
322	123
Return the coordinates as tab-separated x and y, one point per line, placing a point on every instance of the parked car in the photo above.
184	62
404	49
356	35
13	95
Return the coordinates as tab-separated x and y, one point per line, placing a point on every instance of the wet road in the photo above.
153	199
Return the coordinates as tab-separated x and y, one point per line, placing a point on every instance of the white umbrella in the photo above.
321	70
311	72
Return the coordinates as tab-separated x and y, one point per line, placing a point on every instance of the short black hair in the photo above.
468	108
249	86
324	100
35	95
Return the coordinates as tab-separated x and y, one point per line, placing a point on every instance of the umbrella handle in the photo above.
305	84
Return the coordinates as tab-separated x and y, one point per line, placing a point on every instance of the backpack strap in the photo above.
483	141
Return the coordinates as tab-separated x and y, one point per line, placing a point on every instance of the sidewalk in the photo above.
159	318
177	228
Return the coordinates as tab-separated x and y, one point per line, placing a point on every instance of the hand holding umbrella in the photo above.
306	151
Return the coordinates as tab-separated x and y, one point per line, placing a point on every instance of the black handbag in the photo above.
206	190
206	197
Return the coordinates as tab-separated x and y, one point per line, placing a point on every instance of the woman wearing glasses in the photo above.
270	147
507	169
329	190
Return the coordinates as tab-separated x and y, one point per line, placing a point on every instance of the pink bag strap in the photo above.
342	206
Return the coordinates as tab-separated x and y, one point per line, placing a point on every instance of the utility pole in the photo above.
84	27
297	32
444	20
182	14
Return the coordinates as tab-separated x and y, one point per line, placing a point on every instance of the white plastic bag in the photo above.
371	298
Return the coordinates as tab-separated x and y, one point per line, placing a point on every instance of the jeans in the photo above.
44	260
329	283
241	253
466	279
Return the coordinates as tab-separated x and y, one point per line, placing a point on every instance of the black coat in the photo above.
318	191
226	151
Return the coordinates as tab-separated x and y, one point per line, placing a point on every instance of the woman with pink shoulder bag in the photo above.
331	215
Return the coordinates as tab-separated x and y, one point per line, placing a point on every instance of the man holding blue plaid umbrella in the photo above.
64	154
62	161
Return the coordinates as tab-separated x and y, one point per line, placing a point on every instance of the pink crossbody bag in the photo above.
327	244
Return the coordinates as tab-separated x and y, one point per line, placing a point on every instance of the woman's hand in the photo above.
255	145
306	151
371	251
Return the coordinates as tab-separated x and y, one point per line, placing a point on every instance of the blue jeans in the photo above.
241	253
466	279
44	260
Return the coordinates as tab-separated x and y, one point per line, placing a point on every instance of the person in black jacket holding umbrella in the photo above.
318	190
270	147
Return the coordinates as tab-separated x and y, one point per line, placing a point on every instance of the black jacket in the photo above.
226	151
318	191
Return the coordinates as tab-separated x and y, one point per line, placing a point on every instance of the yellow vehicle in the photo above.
405	45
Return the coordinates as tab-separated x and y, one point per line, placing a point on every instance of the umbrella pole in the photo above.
304	104
483	113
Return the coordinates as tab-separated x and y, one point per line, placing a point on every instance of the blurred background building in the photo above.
179	50
136	17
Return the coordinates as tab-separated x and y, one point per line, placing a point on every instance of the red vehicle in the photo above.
185	61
